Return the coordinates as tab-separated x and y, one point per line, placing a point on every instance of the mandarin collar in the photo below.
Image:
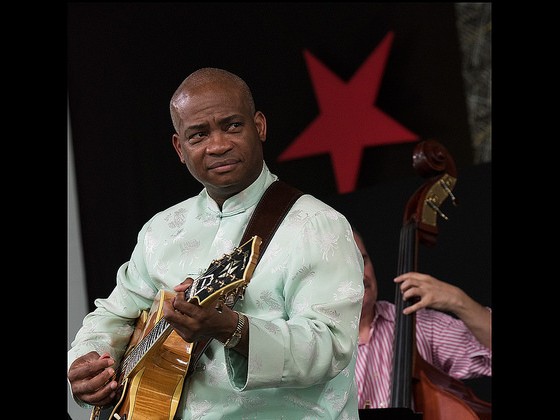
245	199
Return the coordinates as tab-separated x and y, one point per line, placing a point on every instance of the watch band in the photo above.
236	336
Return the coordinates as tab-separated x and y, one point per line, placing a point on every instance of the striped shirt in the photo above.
443	341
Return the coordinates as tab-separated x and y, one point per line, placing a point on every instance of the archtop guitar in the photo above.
157	360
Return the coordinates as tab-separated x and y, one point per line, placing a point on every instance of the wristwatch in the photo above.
236	336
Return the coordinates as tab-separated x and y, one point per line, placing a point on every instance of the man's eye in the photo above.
195	138
234	126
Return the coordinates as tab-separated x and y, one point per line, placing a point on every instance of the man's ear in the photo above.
177	146
260	122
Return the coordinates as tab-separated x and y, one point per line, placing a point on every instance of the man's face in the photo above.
219	139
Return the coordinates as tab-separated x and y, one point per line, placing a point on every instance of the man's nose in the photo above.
219	143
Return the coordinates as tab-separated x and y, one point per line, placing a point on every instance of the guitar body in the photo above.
156	362
153	389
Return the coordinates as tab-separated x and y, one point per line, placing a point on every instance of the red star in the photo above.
349	121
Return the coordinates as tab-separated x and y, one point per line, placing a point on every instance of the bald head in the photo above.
209	76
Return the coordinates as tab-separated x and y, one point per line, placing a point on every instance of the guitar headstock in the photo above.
226	276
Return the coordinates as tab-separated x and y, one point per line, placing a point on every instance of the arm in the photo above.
436	294
107	331
303	303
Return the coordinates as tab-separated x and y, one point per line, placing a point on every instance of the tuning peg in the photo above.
448	191
437	209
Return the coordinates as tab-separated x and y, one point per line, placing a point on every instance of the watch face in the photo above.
233	340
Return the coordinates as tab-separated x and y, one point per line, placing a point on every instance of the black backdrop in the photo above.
126	59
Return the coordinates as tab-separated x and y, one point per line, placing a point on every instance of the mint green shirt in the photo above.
303	304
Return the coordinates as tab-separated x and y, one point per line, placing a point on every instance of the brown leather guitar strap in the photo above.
269	213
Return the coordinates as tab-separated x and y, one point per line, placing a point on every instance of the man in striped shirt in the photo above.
460	347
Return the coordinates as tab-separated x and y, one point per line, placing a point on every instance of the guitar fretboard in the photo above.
160	331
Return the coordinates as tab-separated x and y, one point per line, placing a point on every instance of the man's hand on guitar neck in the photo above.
196	323
93	379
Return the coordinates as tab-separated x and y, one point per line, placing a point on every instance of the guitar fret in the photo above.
135	356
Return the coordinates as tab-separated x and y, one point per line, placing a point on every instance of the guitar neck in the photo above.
157	335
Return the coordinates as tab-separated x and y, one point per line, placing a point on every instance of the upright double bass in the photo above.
417	386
